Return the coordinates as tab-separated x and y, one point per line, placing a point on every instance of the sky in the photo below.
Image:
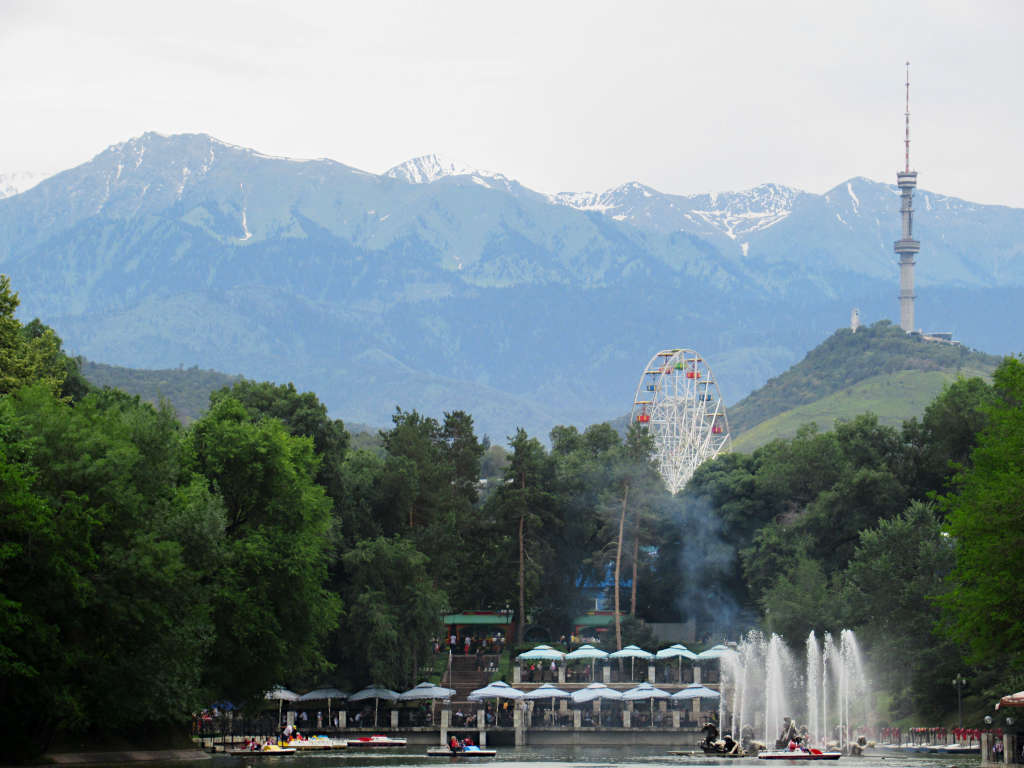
686	97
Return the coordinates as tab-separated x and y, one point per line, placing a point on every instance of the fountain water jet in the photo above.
761	685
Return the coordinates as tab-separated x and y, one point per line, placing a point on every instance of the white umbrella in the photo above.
426	691
541	653
547	691
695	691
677	651
496	690
645	691
631	652
595	691
715	652
587	653
324	693
280	694
376	693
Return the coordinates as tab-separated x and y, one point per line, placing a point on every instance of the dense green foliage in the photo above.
986	522
150	568
846	358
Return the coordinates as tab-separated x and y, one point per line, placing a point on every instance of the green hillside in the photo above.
847	359
187	389
893	397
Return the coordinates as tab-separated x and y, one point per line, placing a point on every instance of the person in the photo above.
453	744
997	751
467	644
479	658
452	642
554	670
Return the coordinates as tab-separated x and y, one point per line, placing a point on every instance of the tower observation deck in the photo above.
907	247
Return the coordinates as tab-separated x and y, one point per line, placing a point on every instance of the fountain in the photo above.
762	684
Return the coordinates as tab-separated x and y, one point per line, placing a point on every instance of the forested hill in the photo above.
187	389
847	358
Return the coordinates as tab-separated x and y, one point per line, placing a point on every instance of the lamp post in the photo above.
959	682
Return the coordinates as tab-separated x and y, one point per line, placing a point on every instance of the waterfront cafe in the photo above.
480	628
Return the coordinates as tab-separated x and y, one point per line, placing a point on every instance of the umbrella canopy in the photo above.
280	693
675	651
321	694
631	651
586	653
547	691
426	691
716	652
541	653
374	692
496	690
644	691
1013	700
696	691
595	691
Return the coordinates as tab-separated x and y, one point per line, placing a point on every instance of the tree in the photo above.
634	469
985	521
103	601
526	500
26	358
887	595
271	608
393	610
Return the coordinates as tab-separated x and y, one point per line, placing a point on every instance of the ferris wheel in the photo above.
679	403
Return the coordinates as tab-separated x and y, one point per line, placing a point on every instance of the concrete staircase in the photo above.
465	677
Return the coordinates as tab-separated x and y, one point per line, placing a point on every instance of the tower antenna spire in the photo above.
906	141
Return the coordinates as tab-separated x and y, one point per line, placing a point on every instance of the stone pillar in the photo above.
482	738
394	718
629	706
986	748
606	673
696	673
561	673
1011	748
652	677
446	718
563	706
481	719
675	719
627	717
517	723
517	673
577	718
343	719
662	705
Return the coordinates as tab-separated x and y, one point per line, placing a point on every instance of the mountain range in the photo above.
437	286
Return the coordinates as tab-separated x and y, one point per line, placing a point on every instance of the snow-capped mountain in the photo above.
17	182
732	214
427	169
438	286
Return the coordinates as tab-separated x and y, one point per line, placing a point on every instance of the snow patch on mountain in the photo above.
427	169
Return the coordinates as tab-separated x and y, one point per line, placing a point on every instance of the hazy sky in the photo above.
684	96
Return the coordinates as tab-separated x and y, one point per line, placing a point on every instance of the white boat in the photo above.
376	741
797	754
470	751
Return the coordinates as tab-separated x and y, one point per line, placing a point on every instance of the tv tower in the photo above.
907	247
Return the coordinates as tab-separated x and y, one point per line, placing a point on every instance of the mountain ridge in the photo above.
374	292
